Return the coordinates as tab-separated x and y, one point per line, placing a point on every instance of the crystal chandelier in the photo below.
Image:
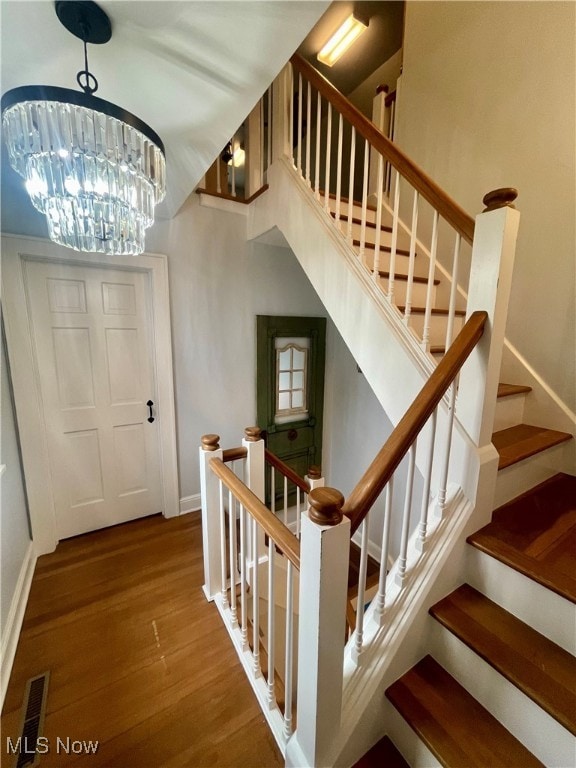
95	170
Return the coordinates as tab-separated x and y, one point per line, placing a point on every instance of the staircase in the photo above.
467	645
494	691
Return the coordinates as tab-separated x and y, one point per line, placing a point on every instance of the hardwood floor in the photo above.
139	660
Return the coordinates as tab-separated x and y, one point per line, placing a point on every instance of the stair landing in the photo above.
536	535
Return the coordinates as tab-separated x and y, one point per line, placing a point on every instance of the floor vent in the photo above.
34	709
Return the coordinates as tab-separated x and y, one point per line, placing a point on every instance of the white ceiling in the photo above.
192	70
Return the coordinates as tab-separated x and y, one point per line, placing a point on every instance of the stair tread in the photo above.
383	753
454	726
439	349
436	311
343	199
524	440
402	276
536	535
507	390
383	248
356	220
537	666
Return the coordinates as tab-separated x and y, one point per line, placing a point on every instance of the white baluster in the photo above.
359	632
394	243
362	253
328	152
271	623
383	575
298	510
223	588
243	601
453	291
351	183
308	132
379	182
256	670
430	286
291	110
233	556
272	490
441	501
408	307
423	527
317	165
218	179
285	500
233	168
299	138
339	169
289	649
406	516
269	132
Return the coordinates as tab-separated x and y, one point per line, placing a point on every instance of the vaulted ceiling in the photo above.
192	70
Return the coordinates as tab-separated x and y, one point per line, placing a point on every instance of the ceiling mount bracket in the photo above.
84	19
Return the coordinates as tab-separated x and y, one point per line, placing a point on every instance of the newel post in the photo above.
491	270
211	531
324	556
314	477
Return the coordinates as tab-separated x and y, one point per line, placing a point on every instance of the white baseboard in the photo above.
190	504
11	630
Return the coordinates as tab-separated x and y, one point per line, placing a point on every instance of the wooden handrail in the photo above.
285	470
233	454
274	528
430	191
374	480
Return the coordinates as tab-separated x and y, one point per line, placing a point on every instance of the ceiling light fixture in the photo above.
341	40
95	170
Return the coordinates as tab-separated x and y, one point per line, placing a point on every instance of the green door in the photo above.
290	390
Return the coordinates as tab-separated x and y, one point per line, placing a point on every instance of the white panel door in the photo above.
92	342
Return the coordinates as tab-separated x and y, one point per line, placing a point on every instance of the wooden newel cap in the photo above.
325	506
252	434
500	198
210	442
314	472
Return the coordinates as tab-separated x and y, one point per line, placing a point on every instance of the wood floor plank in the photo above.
139	660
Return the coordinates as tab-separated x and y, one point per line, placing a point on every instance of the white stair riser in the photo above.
437	326
544	610
536	729
524	475
414	751
345	209
509	412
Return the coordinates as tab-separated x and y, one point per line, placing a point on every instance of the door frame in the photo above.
17	250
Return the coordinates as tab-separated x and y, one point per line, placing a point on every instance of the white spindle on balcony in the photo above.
317	164
394	242
299	137
351	183
339	169
413	231
327	159
271	623
406	514
359	631
308	129
384	554
423	526
430	285
362	252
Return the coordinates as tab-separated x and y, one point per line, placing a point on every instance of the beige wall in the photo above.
493	86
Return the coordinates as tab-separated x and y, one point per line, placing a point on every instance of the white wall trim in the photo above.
238	207
191	503
11	630
27	392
